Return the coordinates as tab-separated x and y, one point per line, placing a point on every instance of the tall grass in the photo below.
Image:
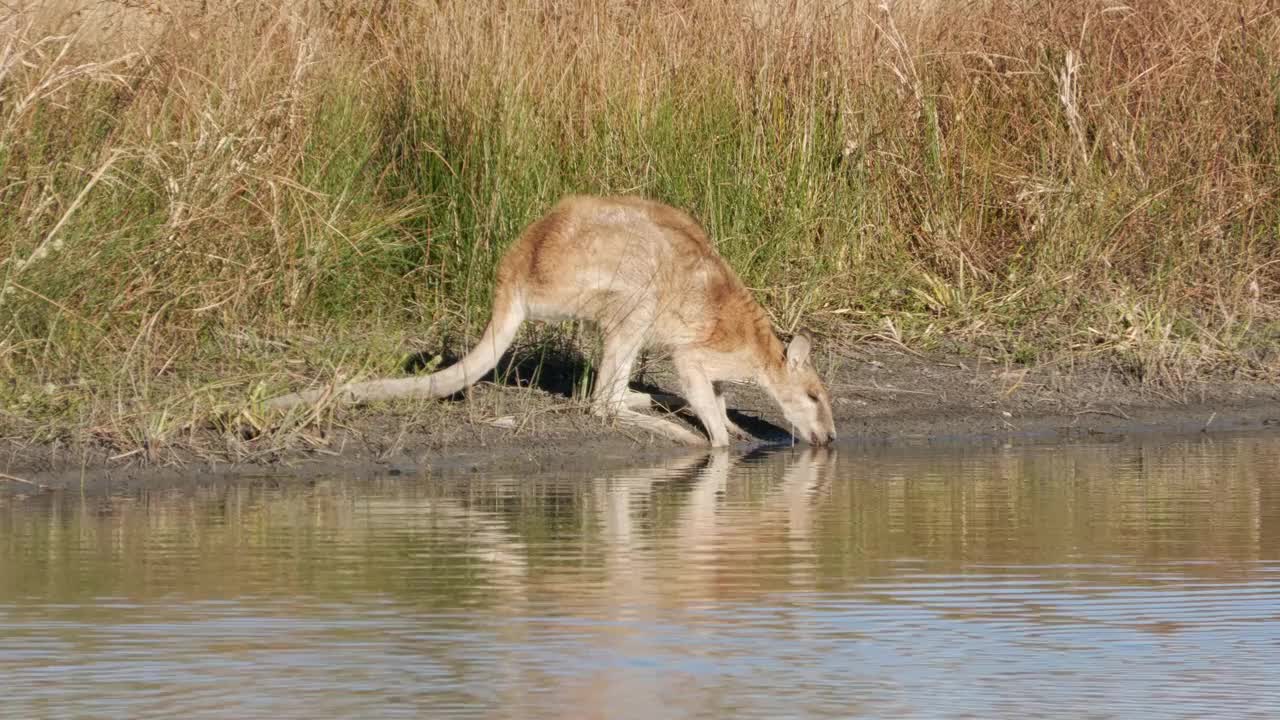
200	200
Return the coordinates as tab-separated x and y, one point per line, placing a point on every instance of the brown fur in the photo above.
539	240
647	275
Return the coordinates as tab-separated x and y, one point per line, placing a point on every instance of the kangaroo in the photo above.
646	275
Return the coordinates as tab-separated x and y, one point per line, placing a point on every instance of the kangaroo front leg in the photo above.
701	395
730	425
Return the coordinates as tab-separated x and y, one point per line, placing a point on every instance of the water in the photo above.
1128	580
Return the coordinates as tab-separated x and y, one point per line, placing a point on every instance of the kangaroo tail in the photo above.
508	313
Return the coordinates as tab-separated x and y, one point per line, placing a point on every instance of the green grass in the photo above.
210	206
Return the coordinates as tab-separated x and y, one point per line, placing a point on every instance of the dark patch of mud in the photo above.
527	422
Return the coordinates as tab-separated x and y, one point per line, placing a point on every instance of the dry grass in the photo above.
204	201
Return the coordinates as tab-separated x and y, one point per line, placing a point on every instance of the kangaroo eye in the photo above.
813	396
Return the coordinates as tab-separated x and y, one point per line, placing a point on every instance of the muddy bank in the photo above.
881	396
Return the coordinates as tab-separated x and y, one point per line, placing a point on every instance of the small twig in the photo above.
41	249
881	389
897	343
1112	413
4	476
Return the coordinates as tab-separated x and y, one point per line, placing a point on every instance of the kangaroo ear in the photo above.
798	351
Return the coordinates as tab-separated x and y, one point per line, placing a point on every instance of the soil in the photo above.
881	395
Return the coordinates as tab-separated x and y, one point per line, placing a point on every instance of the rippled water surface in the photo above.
1130	580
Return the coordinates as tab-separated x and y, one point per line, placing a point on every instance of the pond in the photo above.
1124	578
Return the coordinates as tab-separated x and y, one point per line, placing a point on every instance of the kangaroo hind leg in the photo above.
612	398
637	400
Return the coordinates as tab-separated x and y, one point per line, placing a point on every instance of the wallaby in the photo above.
646	275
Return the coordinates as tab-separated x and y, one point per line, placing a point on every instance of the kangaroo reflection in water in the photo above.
695	557
651	546
658	534
693	561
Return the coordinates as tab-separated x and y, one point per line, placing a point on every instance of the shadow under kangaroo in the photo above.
563	371
646	275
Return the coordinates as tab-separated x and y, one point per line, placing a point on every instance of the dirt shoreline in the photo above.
881	397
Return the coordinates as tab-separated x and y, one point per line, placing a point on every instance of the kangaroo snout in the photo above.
821	438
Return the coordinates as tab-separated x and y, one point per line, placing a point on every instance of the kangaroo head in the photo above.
802	396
